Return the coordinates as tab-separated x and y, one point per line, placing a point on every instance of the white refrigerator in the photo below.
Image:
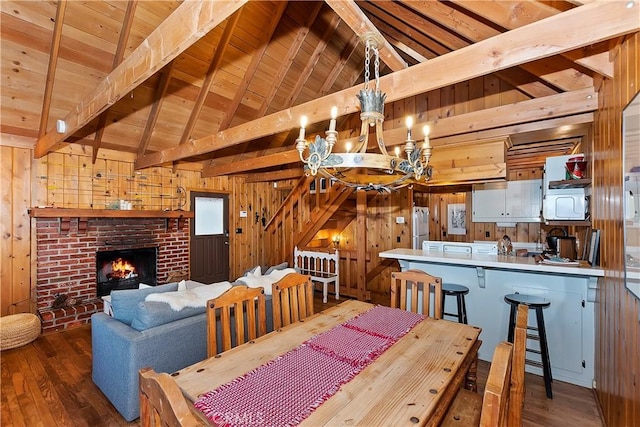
419	226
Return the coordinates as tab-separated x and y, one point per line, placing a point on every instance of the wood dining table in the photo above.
411	383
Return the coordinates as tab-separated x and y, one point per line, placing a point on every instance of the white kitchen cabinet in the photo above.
513	201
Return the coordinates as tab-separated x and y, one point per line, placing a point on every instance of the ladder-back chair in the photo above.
410	290
292	299
238	316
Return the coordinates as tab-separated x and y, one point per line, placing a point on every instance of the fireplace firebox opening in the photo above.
125	269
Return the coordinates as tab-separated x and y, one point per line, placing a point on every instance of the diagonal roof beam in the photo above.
186	25
542	39
53	63
510	15
117	59
158	99
360	24
214	65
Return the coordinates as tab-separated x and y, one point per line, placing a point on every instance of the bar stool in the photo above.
459	291
538	304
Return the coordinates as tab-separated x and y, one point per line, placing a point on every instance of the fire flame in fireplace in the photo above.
121	269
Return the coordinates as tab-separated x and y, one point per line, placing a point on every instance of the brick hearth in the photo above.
66	259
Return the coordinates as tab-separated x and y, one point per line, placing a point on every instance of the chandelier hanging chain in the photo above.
321	157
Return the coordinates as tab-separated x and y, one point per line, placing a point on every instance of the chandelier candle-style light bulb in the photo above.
426	130
303	124
397	151
334	115
409	125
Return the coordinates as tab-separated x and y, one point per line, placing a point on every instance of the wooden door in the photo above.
209	244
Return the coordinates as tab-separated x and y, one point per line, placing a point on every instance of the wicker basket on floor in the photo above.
18	329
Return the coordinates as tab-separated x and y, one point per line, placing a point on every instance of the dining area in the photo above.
354	363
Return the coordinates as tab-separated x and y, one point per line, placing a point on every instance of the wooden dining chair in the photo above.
468	407
162	402
240	310
292	299
417	284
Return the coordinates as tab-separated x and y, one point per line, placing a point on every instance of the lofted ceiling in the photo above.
221	86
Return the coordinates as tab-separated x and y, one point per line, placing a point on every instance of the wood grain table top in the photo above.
406	385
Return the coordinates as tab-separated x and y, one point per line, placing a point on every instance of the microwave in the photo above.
567	205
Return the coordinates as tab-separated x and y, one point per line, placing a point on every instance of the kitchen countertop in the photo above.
527	264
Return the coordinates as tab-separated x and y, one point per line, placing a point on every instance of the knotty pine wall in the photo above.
617	310
68	179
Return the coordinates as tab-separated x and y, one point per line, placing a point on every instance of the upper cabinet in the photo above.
507	202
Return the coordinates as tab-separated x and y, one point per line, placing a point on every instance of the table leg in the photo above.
471	379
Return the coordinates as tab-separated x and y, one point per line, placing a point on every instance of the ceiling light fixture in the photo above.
392	171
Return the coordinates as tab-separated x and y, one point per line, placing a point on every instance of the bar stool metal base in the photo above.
538	304
459	291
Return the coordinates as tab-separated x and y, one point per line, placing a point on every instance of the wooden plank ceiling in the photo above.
221	86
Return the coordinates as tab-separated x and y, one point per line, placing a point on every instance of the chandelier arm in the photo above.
380	139
363	139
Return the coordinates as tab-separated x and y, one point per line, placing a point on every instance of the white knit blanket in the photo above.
196	297
256	279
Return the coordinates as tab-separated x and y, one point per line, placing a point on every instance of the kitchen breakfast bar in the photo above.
569	320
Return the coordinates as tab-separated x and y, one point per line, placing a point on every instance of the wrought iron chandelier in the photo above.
393	171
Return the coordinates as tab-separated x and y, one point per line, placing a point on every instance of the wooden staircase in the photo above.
304	213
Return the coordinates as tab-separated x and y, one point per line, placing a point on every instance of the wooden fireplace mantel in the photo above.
83	215
105	213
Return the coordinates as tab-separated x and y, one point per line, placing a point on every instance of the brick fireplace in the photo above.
66	259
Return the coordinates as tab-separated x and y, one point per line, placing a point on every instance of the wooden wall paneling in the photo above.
6	229
476	94
21	234
39	193
55	180
461	98
70	181
15	246
85	183
491	93
617	310
99	184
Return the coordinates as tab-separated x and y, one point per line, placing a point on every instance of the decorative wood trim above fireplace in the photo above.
65	215
105	213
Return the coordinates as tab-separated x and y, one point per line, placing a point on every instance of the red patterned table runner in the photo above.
287	389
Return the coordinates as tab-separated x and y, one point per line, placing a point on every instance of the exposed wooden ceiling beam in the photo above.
214	65
158	99
276	175
551	36
561	76
350	13
186	25
247	77
117	59
292	52
524	81
261	162
51	70
510	15
497	121
321	46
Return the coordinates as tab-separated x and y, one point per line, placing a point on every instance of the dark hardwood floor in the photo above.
48	383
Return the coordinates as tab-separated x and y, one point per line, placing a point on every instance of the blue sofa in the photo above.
141	334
